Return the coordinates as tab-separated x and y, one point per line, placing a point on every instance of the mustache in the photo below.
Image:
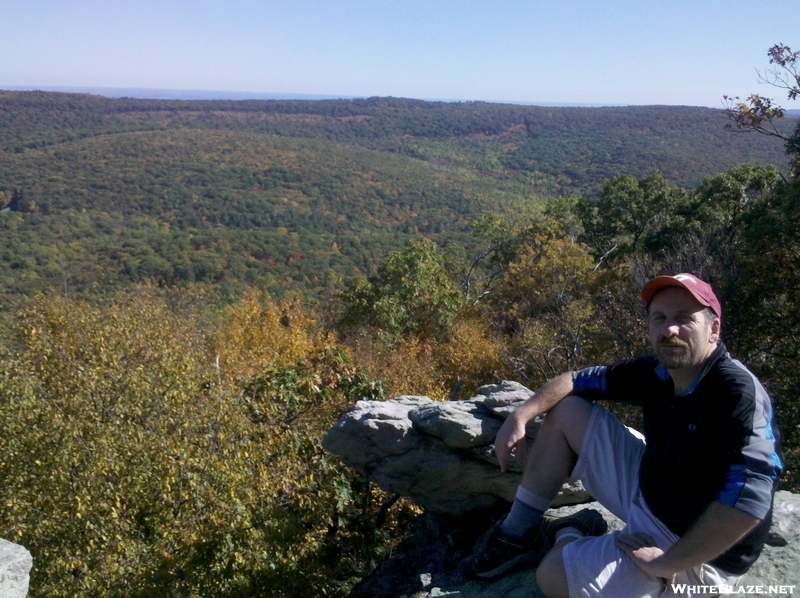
665	342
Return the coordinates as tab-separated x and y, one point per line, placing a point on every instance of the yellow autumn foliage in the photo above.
134	464
549	308
473	355
408	366
255	335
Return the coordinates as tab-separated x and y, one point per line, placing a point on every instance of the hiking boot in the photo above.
496	554
588	522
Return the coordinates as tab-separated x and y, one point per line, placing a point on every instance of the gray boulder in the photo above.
440	454
15	567
780	561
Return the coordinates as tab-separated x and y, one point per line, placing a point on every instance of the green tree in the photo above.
628	210
768	306
412	293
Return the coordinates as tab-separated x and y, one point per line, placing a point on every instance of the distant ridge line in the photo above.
143	93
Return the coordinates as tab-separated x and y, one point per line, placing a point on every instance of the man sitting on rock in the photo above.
695	492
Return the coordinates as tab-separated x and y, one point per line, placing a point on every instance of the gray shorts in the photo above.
608	466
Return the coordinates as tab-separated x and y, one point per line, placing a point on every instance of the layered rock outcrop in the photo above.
441	455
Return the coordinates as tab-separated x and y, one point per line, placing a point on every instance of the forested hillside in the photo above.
302	196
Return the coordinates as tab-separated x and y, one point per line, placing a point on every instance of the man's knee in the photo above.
571	416
551	575
570	407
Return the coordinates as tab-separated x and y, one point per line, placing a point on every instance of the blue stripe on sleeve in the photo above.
734	484
589	379
774	458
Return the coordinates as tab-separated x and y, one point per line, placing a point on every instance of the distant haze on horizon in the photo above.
204	94
582	53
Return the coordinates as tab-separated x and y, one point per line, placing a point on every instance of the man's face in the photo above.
680	333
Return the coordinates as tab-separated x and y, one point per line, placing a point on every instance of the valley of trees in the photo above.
194	291
302	197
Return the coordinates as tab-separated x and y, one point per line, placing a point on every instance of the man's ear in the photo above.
716	324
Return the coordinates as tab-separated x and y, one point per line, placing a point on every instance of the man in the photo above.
695	492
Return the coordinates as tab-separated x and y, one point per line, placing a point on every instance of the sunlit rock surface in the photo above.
440	454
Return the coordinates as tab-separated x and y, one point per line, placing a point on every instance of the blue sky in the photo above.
569	52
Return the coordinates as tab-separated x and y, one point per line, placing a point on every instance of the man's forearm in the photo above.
512	433
714	532
546	397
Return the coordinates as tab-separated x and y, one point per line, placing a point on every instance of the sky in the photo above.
609	52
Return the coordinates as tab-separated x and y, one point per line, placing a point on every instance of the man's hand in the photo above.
511	436
512	433
645	554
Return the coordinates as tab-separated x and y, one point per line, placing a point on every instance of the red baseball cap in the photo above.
700	289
